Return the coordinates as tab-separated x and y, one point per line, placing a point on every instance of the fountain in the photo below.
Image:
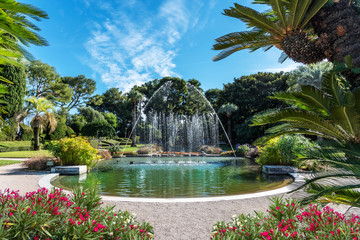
176	121
183	128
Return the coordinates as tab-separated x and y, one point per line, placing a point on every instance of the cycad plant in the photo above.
340	184
307	30
285	27
332	112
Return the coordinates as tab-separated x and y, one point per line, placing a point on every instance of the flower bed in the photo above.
286	220
54	215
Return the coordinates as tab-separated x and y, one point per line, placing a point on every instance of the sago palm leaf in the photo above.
298	118
348	118
331	86
253	18
279	11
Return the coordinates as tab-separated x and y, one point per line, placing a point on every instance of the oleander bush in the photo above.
287	220
74	151
285	149
53	214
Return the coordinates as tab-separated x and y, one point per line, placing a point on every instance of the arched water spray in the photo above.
176	132
213	110
137	120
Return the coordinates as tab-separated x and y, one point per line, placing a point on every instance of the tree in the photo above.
16	29
228	109
251	94
98	129
42	112
135	97
16	90
213	96
91	115
44	81
82	89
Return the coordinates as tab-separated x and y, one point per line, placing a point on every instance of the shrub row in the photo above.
287	220
55	215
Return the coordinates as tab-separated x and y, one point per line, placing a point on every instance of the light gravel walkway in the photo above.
178	221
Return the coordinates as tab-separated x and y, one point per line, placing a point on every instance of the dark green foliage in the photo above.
17	90
44	81
284	150
61	131
82	88
91	115
76	123
26	133
98	129
251	95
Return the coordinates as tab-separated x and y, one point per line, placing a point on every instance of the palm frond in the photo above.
253	18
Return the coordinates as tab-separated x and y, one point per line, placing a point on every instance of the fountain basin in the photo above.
175	178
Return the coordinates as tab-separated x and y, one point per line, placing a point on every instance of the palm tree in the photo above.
134	96
285	27
42	112
332	34
309	75
16	29
332	112
228	109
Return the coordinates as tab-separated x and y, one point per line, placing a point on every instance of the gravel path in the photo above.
171	221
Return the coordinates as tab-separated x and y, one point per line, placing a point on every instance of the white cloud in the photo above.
137	43
287	68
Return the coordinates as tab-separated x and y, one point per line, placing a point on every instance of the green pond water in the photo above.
174	178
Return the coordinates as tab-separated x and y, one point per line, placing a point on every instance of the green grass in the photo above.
131	149
10	144
8	162
25	154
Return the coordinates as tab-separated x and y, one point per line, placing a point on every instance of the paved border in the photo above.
45	181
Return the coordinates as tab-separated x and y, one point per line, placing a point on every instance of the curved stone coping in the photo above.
45	182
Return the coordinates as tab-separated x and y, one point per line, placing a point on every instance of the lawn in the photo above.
25	154
131	149
8	162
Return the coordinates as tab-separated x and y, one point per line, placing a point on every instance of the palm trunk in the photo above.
133	142
229	128
36	126
338	30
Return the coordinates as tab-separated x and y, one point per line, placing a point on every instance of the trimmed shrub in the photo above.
39	162
286	220
74	151
55	215
104	154
144	150
284	150
210	149
241	150
98	129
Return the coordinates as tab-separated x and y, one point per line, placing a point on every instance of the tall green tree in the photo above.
251	94
44	81
16	91
41	111
135	97
228	110
82	89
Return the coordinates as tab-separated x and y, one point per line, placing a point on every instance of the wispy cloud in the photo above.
138	43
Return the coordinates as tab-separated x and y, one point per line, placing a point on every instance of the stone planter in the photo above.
278	169
70	170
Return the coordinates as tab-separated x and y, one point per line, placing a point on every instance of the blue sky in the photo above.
120	43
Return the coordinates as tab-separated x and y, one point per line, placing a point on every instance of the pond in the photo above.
174	178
